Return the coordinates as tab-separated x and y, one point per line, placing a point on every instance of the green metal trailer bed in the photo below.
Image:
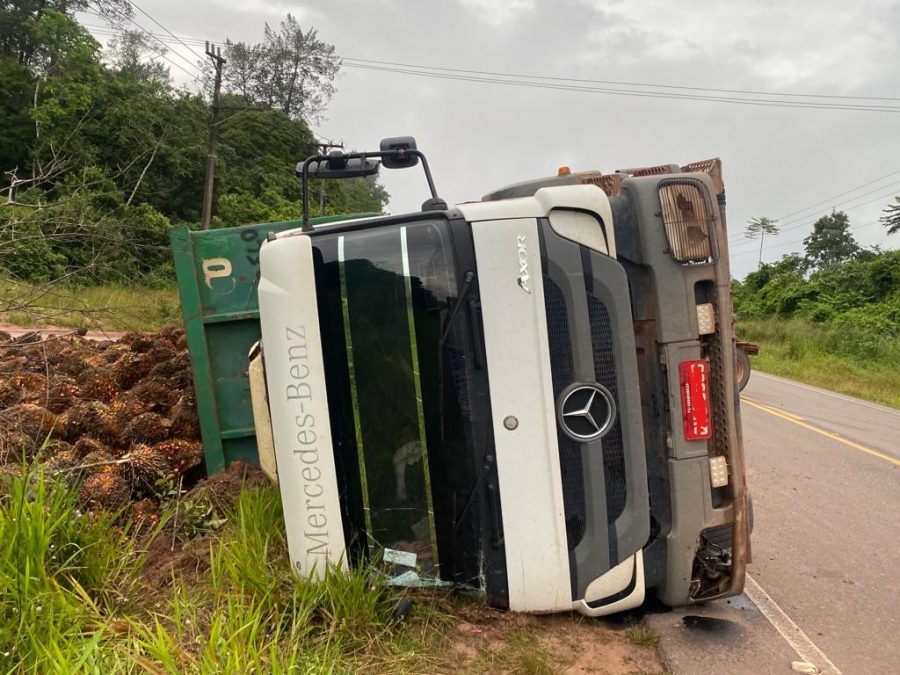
218	272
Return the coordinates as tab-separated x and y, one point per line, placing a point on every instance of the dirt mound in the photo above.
171	557
223	489
120	416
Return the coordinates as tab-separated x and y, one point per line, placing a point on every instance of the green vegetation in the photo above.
101	155
642	636
101	307
810	352
891	217
521	653
73	599
830	318
204	585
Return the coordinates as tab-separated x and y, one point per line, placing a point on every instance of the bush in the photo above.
86	234
854	306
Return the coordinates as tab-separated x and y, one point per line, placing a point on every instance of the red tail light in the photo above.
694	376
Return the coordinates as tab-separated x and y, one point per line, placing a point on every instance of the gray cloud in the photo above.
479	136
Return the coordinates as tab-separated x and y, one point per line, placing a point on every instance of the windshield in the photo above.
399	398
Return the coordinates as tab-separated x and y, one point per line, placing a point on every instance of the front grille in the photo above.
605	371
563	373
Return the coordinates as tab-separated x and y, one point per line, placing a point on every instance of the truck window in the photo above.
385	294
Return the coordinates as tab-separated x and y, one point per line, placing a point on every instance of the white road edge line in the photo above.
790	631
830	394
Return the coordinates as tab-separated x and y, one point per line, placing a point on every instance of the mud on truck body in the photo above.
532	396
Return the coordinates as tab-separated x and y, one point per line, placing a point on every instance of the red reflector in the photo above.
694	377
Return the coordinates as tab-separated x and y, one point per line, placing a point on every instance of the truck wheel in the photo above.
741	367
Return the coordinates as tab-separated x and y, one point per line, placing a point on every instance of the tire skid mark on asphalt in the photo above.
828	434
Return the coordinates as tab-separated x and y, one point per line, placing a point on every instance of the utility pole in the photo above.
215	53
324	147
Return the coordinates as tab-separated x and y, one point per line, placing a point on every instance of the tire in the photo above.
741	368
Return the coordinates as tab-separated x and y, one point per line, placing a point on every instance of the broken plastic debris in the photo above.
403	558
412	580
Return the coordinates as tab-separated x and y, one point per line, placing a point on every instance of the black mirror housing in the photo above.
339	166
399	159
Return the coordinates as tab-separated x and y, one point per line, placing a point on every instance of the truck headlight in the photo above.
687	219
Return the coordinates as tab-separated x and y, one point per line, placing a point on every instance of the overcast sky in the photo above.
479	136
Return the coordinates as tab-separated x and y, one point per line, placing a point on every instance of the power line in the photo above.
841	194
828	200
156	51
162	38
754	250
573	84
620	82
121	15
138	8
847	201
807	223
627	92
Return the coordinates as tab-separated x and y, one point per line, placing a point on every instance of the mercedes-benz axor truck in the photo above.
531	396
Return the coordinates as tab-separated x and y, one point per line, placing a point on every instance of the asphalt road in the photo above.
824	588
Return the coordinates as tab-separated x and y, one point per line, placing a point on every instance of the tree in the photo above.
760	227
891	217
128	54
16	92
17	37
291	70
831	242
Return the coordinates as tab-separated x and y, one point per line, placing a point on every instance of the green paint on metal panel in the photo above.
192	312
218	274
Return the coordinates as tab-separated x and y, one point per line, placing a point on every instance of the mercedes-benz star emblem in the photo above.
586	411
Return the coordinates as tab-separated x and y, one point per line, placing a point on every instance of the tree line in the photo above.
852	291
101	154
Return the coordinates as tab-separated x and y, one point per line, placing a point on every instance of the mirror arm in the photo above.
306	227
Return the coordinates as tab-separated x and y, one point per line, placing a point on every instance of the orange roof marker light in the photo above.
563	171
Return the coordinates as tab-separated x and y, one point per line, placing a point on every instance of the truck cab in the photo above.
531	396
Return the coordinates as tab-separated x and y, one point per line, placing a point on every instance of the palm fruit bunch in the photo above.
116	419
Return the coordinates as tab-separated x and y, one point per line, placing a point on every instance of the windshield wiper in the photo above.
463	292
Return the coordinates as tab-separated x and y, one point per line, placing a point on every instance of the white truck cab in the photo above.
521	396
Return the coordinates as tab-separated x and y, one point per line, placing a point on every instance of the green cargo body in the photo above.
218	273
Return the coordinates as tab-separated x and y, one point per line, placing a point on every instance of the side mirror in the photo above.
398	157
338	165
395	153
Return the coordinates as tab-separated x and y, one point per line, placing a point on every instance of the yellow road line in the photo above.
773	409
828	434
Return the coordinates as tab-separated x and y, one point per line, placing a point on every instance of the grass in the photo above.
72	599
822	356
95	307
521	652
642	636
77	596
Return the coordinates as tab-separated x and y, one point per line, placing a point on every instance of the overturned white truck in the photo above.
532	395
